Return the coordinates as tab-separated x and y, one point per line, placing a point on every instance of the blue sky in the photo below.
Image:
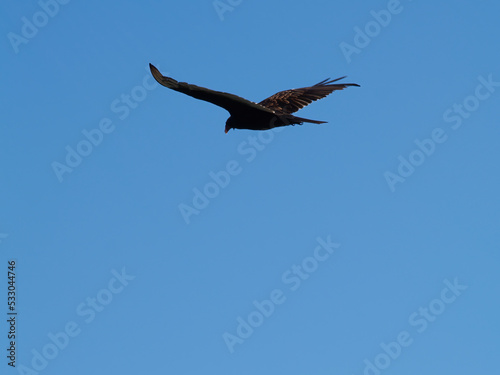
367	245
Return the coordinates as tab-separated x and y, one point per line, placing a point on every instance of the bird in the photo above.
272	112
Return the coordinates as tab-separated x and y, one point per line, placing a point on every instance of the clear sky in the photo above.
148	241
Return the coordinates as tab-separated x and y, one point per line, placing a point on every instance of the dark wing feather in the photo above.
290	101
232	103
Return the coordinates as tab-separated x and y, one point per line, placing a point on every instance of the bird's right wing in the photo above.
290	101
232	103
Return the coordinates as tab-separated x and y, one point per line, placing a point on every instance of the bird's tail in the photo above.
299	120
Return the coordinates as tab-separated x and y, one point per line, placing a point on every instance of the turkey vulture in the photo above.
271	112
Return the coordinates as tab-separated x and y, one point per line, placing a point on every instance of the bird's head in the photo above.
229	124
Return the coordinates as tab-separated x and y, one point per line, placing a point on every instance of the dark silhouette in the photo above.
271	112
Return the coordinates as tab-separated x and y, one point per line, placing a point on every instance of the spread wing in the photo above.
290	101
232	103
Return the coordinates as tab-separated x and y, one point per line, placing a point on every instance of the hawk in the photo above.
270	113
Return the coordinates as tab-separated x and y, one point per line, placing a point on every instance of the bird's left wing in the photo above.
232	103
290	101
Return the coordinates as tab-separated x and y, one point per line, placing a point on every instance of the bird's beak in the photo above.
226	130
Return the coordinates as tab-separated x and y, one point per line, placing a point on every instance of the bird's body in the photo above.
270	113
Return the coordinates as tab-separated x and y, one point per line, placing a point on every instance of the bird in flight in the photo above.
270	113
